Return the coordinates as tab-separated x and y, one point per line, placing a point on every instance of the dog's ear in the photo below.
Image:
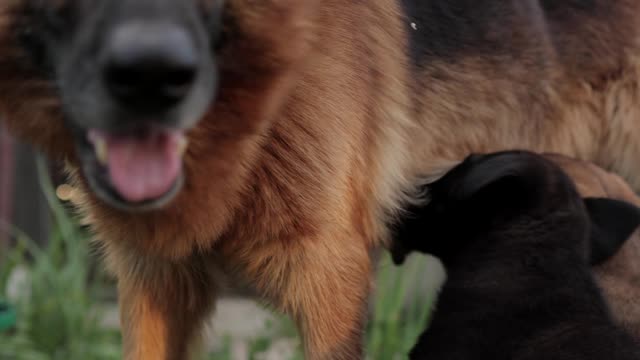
612	223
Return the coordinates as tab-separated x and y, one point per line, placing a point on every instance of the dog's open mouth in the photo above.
135	169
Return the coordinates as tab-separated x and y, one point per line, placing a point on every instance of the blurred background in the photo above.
56	302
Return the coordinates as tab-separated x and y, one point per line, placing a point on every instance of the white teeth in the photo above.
183	144
102	152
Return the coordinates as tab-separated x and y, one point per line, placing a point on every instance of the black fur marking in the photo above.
565	7
442	29
447	30
451	30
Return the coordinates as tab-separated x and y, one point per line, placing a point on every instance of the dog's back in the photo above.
517	241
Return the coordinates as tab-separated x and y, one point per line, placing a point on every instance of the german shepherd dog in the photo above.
518	243
274	141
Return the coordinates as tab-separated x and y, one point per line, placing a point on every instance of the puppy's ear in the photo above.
511	178
612	223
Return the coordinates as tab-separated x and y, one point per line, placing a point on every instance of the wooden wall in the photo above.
21	201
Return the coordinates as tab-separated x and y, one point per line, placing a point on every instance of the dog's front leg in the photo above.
162	308
323	284
328	298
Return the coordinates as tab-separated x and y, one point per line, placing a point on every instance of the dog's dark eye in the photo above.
221	40
56	17
227	31
218	23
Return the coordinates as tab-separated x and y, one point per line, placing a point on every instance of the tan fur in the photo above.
315	142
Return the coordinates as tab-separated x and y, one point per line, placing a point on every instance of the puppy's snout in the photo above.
150	67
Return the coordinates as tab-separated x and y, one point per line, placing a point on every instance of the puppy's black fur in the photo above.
517	242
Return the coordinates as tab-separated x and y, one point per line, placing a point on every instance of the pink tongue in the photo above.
142	167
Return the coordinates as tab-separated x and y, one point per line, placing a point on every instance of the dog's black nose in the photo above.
150	67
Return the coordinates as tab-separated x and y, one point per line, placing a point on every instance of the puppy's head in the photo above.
520	194
126	81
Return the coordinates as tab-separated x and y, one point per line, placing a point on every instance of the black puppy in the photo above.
517	242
